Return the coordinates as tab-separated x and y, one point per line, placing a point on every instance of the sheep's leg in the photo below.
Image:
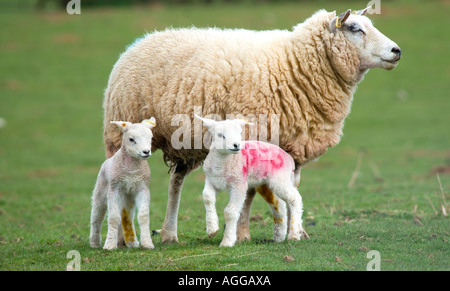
143	205
231	214
209	199
97	214
113	220
295	205
243	227
169	228
278	208
120	237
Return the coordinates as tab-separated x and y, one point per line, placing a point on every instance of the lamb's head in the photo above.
373	49
137	137
226	135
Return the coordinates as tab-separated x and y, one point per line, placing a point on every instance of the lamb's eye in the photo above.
132	140
220	135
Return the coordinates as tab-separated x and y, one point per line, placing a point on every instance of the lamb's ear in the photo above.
337	21
244	122
150	123
122	125
363	11
209	123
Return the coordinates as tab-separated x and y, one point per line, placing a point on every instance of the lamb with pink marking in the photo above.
235	165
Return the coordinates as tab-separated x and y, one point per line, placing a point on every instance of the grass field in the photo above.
54	68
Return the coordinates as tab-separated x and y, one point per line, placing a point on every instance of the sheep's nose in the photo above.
146	152
396	50
236	146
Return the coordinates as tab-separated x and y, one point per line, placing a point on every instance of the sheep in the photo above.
306	76
122	186
236	165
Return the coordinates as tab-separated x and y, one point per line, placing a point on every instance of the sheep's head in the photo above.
137	137
373	49
226	135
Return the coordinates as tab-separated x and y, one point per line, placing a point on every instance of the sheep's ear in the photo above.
122	125
150	123
363	11
209	123
337	21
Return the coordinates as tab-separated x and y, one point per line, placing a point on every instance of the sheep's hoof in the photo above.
95	244
167	238
243	237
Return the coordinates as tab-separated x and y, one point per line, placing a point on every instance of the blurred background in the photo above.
392	167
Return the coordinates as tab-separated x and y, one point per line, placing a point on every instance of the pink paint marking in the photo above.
261	159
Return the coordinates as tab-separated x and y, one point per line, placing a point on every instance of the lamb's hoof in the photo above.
304	235
148	245
279	239
226	244
294	236
133	244
110	246
213	234
167	238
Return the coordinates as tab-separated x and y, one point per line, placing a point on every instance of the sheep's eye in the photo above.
355	28
220	135
132	140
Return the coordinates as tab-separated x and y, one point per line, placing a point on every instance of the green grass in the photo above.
54	68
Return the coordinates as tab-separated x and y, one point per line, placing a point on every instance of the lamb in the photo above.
122	186
307	77
236	165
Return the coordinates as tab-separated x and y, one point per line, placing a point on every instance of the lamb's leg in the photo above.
231	214
127	224
113	220
295	205
278	208
243	227
98	213
169	228
297	175
143	206
209	199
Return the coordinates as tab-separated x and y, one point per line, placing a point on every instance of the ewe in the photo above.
236	165
307	76
122	186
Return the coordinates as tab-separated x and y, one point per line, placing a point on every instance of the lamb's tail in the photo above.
293	176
